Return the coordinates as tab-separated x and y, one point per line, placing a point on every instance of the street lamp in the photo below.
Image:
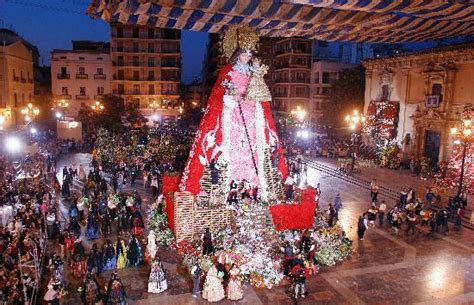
62	103
97	106
463	136
13	144
154	105
355	121
299	113
30	112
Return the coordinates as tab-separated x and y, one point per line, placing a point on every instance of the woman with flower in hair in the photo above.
213	289
157	281
121	253
234	288
134	254
108	256
115	291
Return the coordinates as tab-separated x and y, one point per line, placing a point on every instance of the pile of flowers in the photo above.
158	222
255	247
332	245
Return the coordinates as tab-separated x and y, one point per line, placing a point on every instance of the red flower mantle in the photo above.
296	216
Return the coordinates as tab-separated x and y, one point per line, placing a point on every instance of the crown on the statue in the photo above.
239	36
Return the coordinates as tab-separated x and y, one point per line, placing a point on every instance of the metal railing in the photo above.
357	181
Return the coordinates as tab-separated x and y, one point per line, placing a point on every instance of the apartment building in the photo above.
146	65
81	76
16	77
323	74
290	72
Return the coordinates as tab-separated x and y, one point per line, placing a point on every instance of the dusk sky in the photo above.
52	24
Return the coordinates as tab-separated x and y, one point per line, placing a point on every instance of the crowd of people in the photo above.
26	199
412	213
99	226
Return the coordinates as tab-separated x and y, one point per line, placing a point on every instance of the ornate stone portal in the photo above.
442	74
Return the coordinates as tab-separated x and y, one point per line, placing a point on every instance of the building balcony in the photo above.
146	51
82	76
143	93
127	36
292	66
147	79
170	65
63	76
170	79
16	79
293	51
98	97
100	76
64	97
82	97
23	80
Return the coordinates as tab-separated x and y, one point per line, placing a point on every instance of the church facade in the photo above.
414	99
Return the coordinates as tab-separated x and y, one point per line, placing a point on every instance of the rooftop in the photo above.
435	50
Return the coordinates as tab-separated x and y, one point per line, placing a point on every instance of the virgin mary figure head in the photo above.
242	56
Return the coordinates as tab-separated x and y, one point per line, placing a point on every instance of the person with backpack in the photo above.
362	226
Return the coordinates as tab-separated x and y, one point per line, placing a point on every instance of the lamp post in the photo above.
463	136
355	121
98	107
29	112
154	115
299	113
154	105
62	103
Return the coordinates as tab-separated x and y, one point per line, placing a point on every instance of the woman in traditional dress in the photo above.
115	291
94	261
121	252
234	288
79	263
82	173
134	254
74	227
106	223
123	222
213	289
92	229
157	281
151	247
109	259
136	222
91	293
112	206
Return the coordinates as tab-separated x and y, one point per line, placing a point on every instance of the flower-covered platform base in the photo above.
253	244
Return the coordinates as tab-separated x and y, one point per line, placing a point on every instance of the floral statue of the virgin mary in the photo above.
237	130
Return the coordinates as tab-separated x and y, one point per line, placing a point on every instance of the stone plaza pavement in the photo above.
387	268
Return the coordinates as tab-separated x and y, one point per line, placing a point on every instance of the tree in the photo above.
44	102
450	174
347	94
110	117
